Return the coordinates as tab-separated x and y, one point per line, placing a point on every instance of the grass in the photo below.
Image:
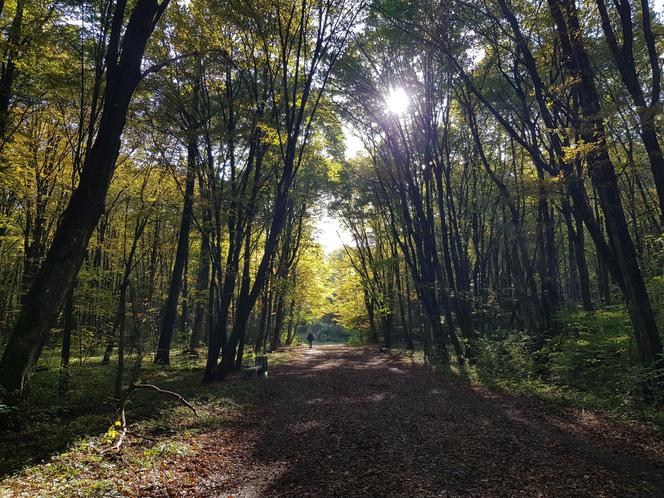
57	437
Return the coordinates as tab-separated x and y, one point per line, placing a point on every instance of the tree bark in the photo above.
603	176
67	331
202	284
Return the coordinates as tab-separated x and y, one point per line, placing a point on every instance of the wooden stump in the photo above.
261	361
250	372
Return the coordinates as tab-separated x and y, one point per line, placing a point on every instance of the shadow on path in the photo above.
342	421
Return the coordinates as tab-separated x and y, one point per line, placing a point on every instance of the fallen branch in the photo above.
122	433
141	436
170	393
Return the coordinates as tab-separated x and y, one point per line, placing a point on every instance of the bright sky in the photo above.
330	232
354	145
397	101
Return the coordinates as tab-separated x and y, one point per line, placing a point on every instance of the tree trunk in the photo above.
603	176
291	322
122	327
184	303
9	69
582	265
162	355
86	205
202	284
67	330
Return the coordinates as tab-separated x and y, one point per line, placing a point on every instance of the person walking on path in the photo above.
310	338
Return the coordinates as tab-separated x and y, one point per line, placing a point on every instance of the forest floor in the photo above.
344	421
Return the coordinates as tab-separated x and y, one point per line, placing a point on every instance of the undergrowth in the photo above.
589	363
55	435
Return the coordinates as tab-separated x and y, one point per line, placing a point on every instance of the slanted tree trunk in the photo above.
625	62
9	70
603	175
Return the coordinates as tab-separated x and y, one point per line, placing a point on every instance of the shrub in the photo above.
505	355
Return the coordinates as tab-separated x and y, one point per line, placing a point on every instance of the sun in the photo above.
397	101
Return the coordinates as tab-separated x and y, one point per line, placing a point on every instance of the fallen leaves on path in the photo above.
342	421
339	421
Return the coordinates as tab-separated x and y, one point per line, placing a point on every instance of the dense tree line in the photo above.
522	181
161	167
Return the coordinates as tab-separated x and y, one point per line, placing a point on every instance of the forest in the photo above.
460	202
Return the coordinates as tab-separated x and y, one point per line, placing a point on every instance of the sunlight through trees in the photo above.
477	183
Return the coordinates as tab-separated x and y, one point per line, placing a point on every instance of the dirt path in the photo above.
340	421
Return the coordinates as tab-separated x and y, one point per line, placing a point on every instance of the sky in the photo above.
330	232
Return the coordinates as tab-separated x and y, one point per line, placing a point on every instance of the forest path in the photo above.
343	421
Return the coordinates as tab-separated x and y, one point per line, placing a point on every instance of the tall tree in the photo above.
162	355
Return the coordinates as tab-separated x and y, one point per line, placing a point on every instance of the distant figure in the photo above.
310	338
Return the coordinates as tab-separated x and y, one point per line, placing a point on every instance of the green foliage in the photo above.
591	363
505	356
348	298
595	353
78	421
326	330
167	448
357	337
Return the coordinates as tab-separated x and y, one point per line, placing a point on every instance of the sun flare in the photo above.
397	101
